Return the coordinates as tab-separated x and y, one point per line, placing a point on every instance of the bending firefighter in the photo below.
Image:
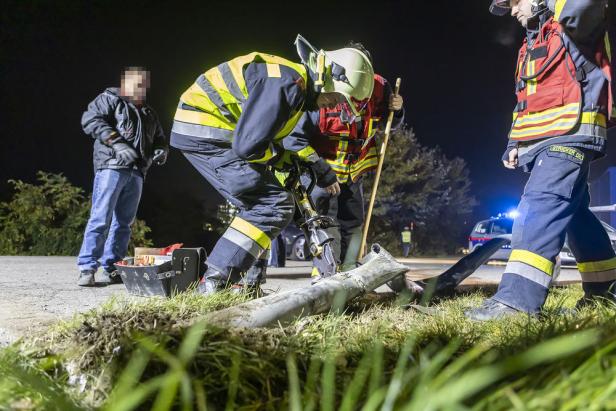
564	103
344	139
229	125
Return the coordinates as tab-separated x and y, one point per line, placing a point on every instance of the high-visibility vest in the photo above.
549	94
342	143
212	106
406	237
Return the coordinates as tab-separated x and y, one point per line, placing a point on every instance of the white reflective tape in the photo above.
599	276
243	241
530	273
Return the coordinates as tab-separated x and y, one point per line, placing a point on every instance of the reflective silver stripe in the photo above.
530	273
230	82
213	95
599	276
205	132
243	241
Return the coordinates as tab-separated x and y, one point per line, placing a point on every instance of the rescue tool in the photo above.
311	222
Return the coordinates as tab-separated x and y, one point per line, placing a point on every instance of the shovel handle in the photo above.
375	186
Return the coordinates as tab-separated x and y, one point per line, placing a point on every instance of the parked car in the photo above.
486	230
295	243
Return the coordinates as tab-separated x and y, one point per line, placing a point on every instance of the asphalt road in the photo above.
37	291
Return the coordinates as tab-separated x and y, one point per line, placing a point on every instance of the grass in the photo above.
157	354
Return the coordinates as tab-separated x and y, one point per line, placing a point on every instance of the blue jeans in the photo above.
115	199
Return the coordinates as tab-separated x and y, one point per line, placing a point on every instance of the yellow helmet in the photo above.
347	71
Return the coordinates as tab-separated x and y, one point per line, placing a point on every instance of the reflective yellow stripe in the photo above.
595	266
559	124
549	114
273	70
268	155
532	259
251	231
532	84
231	104
289	125
608	47
306	152
196	97
558	8
204	119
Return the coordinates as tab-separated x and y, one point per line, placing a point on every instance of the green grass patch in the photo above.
159	354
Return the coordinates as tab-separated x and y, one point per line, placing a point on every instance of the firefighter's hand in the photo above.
326	177
512	162
395	102
334	189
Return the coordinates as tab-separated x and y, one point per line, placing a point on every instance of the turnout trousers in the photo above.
265	208
554	206
347	210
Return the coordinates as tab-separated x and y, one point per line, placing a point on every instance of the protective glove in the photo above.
124	152
325	175
160	156
509	160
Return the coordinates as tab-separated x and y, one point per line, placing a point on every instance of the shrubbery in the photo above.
422	185
48	218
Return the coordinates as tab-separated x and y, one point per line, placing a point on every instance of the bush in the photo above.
49	218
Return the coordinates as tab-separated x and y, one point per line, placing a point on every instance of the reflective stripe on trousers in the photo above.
554	205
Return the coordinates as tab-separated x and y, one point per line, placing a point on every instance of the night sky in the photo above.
456	61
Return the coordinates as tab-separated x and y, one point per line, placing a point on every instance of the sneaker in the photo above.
110	277
208	287
86	278
490	310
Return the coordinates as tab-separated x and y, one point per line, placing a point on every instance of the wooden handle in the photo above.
379	168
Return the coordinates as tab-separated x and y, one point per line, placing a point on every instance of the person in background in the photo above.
405	238
128	139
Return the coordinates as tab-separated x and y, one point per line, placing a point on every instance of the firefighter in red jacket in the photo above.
347	148
564	104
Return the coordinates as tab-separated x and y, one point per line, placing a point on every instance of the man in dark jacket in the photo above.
128	138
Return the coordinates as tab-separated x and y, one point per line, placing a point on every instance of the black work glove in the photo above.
325	175
160	156
124	152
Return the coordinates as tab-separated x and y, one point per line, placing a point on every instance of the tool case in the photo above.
166	278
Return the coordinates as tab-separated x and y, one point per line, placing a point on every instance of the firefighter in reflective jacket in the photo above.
229	125
346	142
564	105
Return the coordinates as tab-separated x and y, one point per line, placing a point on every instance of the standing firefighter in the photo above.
559	127
345	143
229	124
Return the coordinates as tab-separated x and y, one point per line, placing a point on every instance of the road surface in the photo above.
37	291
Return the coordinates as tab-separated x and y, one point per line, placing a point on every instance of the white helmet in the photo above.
347	71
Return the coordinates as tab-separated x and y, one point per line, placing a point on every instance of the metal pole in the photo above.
379	267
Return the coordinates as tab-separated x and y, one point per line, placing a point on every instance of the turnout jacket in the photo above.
248	103
345	142
110	113
562	81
